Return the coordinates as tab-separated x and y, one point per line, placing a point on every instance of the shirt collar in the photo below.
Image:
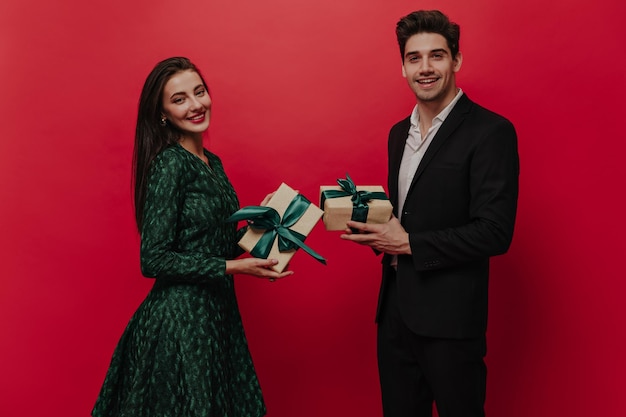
415	116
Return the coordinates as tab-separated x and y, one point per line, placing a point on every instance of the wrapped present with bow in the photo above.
278	230
366	204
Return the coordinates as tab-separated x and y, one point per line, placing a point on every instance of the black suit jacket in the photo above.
460	210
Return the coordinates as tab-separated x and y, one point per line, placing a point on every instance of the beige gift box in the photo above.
337	211
280	201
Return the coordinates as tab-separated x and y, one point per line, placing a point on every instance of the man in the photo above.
453	182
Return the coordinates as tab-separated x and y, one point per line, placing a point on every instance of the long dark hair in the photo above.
151	136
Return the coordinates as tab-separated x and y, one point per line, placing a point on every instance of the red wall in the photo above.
304	92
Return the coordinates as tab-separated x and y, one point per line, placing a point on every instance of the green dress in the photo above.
184	352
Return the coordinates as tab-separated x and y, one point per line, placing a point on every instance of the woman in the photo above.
184	351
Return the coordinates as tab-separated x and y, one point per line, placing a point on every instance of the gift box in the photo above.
366	204
278	230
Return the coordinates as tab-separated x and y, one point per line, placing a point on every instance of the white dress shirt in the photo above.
414	150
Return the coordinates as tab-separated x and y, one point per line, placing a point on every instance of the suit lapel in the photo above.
396	149
452	122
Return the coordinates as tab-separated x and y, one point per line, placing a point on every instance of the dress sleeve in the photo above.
160	256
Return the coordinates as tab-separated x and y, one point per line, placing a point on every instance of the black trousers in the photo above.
416	371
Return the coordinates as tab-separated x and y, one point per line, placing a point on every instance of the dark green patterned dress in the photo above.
184	352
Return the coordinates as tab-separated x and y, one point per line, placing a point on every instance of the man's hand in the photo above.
390	238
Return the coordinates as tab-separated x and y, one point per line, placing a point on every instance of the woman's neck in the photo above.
194	146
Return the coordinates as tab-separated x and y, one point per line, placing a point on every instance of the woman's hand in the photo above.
257	267
270	195
267	199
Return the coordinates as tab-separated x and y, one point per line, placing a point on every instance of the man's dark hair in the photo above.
428	21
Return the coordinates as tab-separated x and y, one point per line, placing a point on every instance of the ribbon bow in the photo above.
268	219
359	199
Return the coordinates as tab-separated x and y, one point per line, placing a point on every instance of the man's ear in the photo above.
458	61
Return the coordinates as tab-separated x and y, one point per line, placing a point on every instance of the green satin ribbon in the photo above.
360	208
268	219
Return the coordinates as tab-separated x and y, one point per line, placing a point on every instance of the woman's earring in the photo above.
163	121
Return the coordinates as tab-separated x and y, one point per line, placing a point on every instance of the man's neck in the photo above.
428	110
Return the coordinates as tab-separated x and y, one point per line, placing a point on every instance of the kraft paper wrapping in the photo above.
337	211
280	201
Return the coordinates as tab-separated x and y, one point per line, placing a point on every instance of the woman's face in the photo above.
186	103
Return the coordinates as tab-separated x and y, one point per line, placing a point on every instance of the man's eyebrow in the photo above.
438	50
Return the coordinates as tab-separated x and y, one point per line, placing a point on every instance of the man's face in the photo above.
429	68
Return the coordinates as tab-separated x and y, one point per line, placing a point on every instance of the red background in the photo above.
304	92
